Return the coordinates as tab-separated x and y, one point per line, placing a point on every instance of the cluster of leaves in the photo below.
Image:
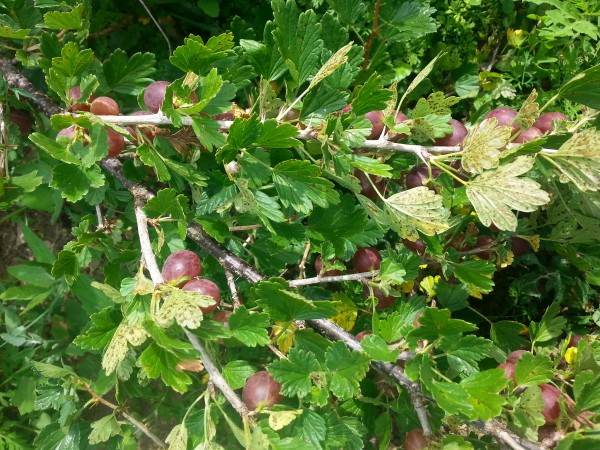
85	321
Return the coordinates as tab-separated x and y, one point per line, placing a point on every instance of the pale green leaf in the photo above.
481	147
495	192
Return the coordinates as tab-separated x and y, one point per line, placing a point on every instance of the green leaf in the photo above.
533	370
377	349
168	203
128	76
99	335
207	132
350	11
151	157
507	334
435	324
40	250
72	20
481	147
195	56
484	391
300	187
103	429
476	274
418	209
34	275
237	372
54	437
295	373
161	363
66	265
586	389
284	305
249	329
310	427
265	56
464	353
51	371
273	135
321	101
298	38
402	21
550	327
584	88
371	96
70	64
346	368
54	149
399	323
578	160
75	182
12	33
495	192
451	296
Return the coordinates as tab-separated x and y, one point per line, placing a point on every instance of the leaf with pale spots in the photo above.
418	209
178	438
117	349
481	147
529	112
578	160
495	193
279	419
182	307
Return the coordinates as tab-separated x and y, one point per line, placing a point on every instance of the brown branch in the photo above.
369	45
16	80
118	409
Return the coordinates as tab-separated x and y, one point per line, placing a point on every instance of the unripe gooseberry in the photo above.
551	410
261	390
376	119
360	336
528	135
419	175
367	188
383	301
505	117
327	273
513	357
395	137
509	371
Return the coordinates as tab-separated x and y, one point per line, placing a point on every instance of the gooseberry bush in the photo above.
274	242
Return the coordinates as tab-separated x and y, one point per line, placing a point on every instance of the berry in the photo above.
328	273
417	246
551	410
383	301
484	241
181	263
366	259
528	135
149	131
513	357
75	96
360	336
544	122
154	95
519	246
395	137
223	317
419	175
116	143
22	119
261	390
367	188
376	119
505	117
205	287
415	440
456	137
104	106
509	371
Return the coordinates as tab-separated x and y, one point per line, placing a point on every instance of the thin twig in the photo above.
118	409
100	218
146	244
500	432
369	45
233	289
157	26
302	264
334	279
217	378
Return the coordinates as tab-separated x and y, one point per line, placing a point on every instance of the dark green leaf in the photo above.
346	368
295	373
128	76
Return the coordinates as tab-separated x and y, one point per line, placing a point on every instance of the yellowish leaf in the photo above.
481	147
